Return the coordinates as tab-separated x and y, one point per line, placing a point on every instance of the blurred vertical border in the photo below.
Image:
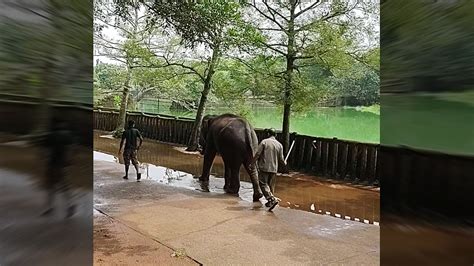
45	76
427	132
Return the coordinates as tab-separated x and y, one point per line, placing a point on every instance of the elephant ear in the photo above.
206	122
204	128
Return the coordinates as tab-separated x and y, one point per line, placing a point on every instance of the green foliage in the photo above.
49	52
446	45
213	23
330	63
359	82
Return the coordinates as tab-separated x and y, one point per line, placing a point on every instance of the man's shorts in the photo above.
130	154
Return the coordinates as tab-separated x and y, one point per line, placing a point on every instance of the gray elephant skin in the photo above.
235	140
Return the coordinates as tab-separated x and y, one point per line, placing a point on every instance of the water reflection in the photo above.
171	165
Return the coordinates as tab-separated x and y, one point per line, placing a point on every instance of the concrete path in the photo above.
148	223
26	238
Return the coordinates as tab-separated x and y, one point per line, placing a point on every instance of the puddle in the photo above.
167	164
176	178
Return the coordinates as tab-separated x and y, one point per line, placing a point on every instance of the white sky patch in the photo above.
368	39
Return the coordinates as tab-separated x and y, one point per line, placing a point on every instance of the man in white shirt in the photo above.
268	157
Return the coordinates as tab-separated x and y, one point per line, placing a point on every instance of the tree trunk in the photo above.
287	106
123	105
193	143
290	64
126	88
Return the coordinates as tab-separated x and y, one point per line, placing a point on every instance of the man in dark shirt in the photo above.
58	142
130	136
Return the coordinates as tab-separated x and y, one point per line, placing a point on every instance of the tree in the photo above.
129	50
305	33
108	80
208	27
446	61
48	54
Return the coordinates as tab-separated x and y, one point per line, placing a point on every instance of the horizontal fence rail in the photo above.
20	115
332	158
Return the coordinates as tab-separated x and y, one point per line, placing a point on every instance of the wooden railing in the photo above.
419	180
19	115
332	158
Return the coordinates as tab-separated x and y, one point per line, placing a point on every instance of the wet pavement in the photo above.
215	228
26	238
172	165
118	244
424	242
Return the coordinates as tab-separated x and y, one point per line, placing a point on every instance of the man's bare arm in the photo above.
121	142
141	140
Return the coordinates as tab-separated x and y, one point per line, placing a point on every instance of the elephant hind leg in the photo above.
227	176
252	171
234	182
209	156
233	178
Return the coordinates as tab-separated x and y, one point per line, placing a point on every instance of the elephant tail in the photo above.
251	140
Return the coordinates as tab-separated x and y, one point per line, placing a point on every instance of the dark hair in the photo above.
271	132
131	123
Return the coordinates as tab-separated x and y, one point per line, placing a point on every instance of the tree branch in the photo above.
360	60
169	64
327	17
267	16
304	57
270	46
274	11
316	3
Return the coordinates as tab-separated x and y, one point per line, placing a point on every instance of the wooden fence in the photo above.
18	115
418	181
333	158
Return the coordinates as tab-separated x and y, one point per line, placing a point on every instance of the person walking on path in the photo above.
269	155
58	141
131	136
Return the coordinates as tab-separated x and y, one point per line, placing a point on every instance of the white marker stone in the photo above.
328	213
347	217
338	215
376	223
357	219
366	221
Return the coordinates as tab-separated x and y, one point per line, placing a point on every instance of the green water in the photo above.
338	122
440	122
341	123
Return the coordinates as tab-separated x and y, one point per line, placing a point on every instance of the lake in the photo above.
339	122
432	121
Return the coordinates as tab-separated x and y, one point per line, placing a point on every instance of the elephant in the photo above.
235	140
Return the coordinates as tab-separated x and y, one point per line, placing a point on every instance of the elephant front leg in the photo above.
252	171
